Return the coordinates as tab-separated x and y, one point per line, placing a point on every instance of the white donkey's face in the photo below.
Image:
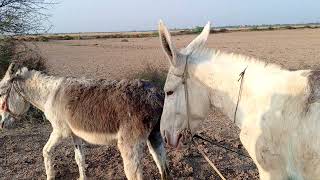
11	103
187	101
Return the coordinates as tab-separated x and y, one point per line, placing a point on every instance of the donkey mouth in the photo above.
2	125
179	144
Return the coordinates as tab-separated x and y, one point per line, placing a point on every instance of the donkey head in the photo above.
12	104
186	102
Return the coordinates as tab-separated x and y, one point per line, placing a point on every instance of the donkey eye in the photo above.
169	93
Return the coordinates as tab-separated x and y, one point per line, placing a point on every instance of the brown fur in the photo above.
105	106
314	85
97	111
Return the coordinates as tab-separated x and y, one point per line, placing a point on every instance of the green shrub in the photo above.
67	37
198	29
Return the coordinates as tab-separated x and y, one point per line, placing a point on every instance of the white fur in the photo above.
279	129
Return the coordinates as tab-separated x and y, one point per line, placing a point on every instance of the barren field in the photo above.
21	148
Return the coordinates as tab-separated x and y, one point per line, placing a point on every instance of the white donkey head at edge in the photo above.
186	103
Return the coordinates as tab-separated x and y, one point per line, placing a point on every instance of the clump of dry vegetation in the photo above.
157	77
27	56
7	48
20	53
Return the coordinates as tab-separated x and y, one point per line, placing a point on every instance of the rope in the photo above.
219	145
209	161
239	94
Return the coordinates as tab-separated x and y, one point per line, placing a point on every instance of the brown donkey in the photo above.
97	111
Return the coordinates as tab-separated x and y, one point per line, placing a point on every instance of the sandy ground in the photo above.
21	148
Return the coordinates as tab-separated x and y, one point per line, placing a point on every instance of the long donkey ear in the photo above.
167	44
10	71
200	40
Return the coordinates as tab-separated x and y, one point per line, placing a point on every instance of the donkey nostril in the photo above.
179	137
165	137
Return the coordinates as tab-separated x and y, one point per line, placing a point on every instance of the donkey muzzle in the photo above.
173	139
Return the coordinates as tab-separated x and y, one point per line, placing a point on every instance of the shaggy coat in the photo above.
97	111
107	106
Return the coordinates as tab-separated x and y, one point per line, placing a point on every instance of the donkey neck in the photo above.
36	87
220	72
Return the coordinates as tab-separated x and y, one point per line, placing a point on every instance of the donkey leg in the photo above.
156	147
54	139
131	154
79	156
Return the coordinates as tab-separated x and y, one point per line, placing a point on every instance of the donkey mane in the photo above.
204	53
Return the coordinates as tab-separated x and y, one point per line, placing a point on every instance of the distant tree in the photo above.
24	16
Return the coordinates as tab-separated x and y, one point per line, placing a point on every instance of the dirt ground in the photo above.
21	148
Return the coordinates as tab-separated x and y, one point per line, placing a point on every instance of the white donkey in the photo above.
96	111
278	111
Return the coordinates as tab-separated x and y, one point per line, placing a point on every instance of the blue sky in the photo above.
129	15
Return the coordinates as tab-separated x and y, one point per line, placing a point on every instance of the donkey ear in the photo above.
167	44
10	71
200	40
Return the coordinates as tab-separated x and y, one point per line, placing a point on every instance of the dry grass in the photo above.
7	48
153	75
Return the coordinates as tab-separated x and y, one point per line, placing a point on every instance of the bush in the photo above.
223	30
198	29
254	28
270	28
67	37
29	57
43	38
7	48
290	27
18	52
153	75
